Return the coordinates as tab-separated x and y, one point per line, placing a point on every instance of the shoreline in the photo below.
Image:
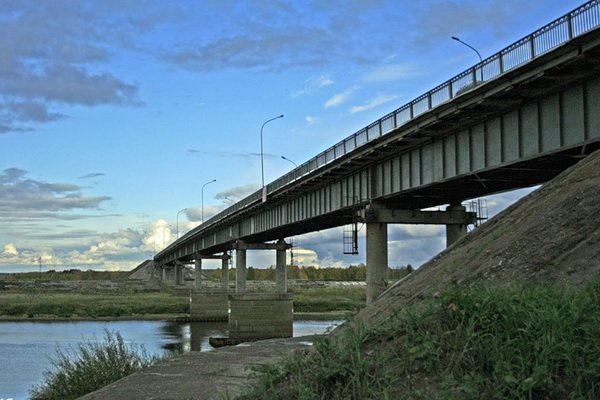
300	316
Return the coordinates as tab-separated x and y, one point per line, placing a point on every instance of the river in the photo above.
27	348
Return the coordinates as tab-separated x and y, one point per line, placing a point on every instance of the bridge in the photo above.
516	119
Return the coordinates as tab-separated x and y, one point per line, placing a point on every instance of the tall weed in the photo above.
91	366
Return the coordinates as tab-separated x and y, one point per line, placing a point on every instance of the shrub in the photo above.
91	366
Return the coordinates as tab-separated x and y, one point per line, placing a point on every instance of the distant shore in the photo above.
300	316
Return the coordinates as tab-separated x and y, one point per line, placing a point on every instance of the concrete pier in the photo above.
198	273
457	230
178	274
207	306
240	268
377	259
225	272
259	316
280	268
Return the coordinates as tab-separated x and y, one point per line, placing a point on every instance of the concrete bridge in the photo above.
516	119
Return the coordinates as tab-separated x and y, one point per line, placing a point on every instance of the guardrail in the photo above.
577	22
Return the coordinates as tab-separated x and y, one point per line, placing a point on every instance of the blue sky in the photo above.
114	113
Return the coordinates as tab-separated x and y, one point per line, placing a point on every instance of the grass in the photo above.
91	366
122	304
482	342
82	305
329	299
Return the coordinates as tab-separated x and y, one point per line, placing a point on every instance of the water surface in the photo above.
26	348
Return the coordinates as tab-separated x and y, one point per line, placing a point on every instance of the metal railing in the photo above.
577	22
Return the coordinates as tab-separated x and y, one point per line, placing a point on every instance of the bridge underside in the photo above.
518	130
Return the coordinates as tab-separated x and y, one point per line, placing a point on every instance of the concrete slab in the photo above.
218	374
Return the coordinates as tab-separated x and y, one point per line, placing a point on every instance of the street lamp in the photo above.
178	212
202	215
472	48
262	168
287	159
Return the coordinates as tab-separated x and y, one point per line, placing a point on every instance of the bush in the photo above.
92	366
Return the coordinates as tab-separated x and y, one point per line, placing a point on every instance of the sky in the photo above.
115	113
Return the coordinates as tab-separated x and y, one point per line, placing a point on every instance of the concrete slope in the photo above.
552	235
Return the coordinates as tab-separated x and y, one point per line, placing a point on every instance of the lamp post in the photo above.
472	48
178	212
262	167
202	215
287	159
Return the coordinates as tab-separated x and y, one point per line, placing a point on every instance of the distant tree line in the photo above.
72	274
356	273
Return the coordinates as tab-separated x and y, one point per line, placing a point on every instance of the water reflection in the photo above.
194	336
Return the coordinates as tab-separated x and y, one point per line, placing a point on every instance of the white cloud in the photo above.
312	84
391	72
372	103
304	257
10	250
310	119
339	98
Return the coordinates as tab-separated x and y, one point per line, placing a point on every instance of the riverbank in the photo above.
121	302
301	316
219	374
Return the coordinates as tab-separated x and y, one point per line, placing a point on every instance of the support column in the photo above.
225	272
164	274
178	274
377	259
455	231
280	268
198	270
240	270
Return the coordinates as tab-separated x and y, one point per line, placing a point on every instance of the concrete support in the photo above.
225	272
209	305
260	316
240	270
280	268
178	274
377	259
198	270
455	231
164	274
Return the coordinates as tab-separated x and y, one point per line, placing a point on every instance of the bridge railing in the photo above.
576	23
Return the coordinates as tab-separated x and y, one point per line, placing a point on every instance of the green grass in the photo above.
329	299
44	304
482	342
67	305
91	366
